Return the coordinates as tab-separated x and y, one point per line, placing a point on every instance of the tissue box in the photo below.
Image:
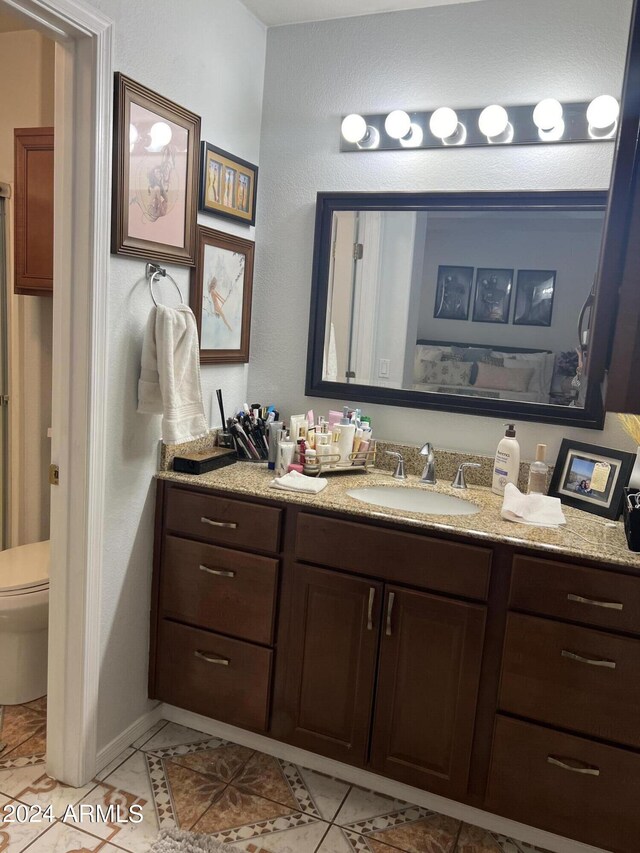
203	461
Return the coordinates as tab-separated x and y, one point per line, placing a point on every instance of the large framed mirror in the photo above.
465	302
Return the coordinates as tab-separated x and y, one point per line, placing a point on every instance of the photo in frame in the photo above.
453	293
228	185
591	478
535	290
493	295
221	289
155	175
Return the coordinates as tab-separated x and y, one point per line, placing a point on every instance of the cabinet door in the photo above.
429	671
33	167
331	662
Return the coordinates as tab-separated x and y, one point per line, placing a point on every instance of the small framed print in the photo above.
493	295
228	185
535	290
221	286
591	478
453	293
155	176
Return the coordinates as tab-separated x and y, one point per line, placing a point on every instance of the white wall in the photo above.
208	57
26	96
513	51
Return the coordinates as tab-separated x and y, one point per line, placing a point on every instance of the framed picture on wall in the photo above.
228	185
453	293
591	478
155	177
535	290
493	295
221	285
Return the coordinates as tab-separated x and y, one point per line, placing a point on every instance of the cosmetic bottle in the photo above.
286	448
343	435
311	462
323	448
274	429
506	467
538	472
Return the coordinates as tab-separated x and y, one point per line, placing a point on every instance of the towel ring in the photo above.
154	272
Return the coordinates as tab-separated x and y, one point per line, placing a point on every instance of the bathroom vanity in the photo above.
491	663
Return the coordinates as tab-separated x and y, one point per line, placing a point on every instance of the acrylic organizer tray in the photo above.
361	462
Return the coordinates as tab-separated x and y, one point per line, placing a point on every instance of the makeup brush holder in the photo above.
632	518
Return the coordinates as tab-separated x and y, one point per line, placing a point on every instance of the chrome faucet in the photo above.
398	474
429	473
459	481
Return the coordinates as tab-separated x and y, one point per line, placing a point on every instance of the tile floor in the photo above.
179	777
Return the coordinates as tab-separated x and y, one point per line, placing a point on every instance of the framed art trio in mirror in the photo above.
162	176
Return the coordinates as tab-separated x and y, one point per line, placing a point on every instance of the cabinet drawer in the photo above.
565	784
591	596
572	677
215	676
397	557
223	520
228	591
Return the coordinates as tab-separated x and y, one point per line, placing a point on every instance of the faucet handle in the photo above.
459	481
429	473
426	449
398	474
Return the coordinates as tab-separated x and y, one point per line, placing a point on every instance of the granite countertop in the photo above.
585	535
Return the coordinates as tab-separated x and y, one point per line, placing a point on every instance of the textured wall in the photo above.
514	51
209	57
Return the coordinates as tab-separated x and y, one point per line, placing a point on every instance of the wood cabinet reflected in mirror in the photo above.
466	302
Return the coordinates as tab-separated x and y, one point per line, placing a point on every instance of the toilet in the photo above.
24	622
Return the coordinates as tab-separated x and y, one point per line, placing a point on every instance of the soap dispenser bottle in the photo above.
538	472
506	467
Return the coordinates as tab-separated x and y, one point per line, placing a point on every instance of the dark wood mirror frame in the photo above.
590	417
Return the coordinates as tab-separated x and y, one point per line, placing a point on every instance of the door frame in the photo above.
82	186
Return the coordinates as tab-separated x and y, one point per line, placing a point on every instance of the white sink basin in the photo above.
413	500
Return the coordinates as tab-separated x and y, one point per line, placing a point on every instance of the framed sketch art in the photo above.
453	293
155	180
221	285
493	295
228	185
534	297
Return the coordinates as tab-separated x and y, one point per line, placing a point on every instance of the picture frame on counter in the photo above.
155	175
228	185
221	293
591	478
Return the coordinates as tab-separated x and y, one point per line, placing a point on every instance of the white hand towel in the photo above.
538	510
294	481
170	374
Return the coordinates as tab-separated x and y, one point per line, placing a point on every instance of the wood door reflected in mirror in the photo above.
466	302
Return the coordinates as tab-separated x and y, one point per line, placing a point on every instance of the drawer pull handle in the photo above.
392	597
230	524
211	659
585	769
372	595
580	599
608	664
219	572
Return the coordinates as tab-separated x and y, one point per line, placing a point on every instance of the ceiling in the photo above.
10	23
274	13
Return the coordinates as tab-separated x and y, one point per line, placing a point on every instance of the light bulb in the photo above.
160	135
414	138
444	122
603	112
547	114
397	124
370	140
493	120
354	128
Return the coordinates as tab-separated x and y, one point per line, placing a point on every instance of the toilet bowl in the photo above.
24	622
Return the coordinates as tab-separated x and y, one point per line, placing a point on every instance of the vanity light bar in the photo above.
546	122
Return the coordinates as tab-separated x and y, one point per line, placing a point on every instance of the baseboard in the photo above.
366	779
112	750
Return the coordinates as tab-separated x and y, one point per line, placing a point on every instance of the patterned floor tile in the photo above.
18	724
221	761
433	834
173	735
61	838
191	793
327	793
335	841
39	705
32	785
113	765
354	843
303	839
362	805
139	742
263	775
472	839
14	837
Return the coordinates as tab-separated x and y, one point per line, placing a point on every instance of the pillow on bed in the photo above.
447	372
541	362
503	378
424	355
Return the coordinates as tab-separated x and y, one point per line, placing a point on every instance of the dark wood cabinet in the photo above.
33	186
428	677
331	662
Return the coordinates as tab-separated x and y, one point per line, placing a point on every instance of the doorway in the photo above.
83	86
